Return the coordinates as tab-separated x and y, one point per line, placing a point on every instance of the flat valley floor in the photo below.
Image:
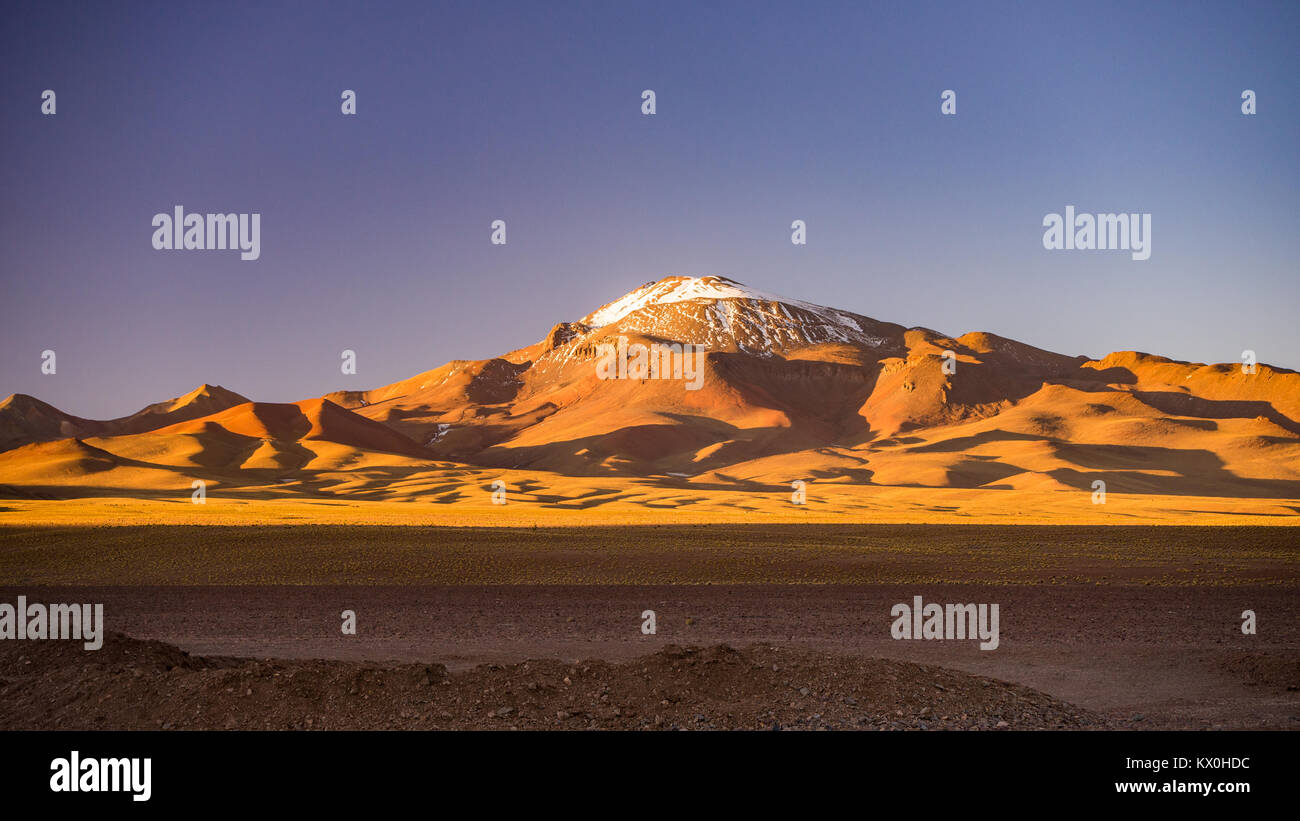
757	627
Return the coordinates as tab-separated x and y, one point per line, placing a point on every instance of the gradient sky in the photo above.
375	228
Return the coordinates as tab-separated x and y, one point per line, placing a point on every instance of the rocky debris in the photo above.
132	684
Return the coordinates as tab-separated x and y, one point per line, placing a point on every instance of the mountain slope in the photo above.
25	419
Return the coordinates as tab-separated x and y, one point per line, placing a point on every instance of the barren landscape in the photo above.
500	527
757	627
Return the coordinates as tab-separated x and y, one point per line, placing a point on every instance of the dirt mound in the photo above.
133	684
19	659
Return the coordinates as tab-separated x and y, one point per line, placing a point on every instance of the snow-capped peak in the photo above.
722	314
686	289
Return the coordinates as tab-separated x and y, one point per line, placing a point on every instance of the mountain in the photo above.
203	400
787	390
854	395
25	419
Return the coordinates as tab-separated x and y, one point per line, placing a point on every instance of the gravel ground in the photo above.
133	684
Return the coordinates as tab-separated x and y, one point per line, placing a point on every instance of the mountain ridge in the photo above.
789	390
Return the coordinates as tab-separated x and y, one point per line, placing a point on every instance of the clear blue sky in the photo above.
375	228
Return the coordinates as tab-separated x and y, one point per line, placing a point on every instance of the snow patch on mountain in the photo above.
720	313
711	288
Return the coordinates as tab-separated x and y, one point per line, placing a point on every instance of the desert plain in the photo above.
758	625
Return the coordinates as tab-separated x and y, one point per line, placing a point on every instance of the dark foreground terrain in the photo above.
457	628
809	656
137	685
